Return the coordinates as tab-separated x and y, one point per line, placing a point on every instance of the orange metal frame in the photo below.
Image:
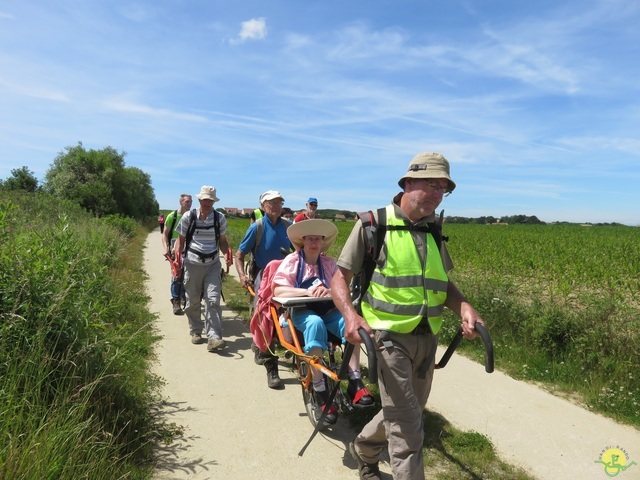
296	349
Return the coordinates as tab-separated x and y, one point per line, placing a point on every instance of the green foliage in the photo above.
21	179
98	181
126	225
75	339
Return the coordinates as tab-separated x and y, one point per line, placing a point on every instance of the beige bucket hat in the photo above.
207	193
314	226
428	165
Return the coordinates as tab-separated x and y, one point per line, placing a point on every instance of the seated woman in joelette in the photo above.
307	273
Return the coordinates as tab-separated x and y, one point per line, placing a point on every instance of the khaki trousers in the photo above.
405	371
203	281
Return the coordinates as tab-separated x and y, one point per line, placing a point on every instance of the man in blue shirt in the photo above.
267	240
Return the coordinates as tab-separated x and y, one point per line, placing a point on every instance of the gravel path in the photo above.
235	427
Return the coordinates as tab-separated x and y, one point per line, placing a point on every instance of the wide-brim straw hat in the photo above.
207	193
313	226
428	165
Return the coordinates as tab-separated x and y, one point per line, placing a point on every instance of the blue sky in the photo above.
535	104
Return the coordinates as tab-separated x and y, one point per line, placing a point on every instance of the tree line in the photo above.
97	180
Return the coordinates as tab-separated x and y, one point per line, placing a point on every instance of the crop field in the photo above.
561	302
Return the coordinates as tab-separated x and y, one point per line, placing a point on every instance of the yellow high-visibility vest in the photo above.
405	289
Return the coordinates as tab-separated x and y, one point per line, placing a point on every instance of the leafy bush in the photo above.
126	225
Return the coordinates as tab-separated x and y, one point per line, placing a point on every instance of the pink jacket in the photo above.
261	324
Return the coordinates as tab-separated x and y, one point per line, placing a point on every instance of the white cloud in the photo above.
254	29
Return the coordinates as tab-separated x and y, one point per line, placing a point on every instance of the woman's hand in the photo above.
319	291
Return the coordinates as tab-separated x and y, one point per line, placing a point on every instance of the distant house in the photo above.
340	216
247	211
232	210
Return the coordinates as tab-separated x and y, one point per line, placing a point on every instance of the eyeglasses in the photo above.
437	188
314	204
313	238
275	202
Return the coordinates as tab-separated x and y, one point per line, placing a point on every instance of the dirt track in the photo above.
237	428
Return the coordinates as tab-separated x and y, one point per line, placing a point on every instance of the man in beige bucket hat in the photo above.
202	234
401	307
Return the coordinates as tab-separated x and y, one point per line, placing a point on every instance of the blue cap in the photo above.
312	200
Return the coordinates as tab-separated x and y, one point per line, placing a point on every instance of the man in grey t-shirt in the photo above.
202	270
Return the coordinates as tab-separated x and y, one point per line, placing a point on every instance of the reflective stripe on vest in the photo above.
406	290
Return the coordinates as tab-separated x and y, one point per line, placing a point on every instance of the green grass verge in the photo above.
76	396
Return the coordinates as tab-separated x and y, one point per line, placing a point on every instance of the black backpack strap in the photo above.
216	226
190	229
436	230
174	220
259	227
374	233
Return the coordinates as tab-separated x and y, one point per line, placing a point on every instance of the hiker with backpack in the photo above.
266	240
202	234
403	263
169	238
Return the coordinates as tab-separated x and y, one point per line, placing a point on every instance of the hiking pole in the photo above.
342	374
486	340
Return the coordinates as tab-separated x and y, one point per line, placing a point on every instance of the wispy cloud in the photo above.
124	106
43	92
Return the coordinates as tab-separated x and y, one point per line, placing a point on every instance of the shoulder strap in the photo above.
216	226
436	230
190	229
259	228
374	233
174	220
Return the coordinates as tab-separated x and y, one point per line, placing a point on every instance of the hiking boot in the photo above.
197	339
215	344
258	356
322	398
177	308
273	380
367	471
360	396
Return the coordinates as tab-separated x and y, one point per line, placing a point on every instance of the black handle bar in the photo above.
486	340
371	355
